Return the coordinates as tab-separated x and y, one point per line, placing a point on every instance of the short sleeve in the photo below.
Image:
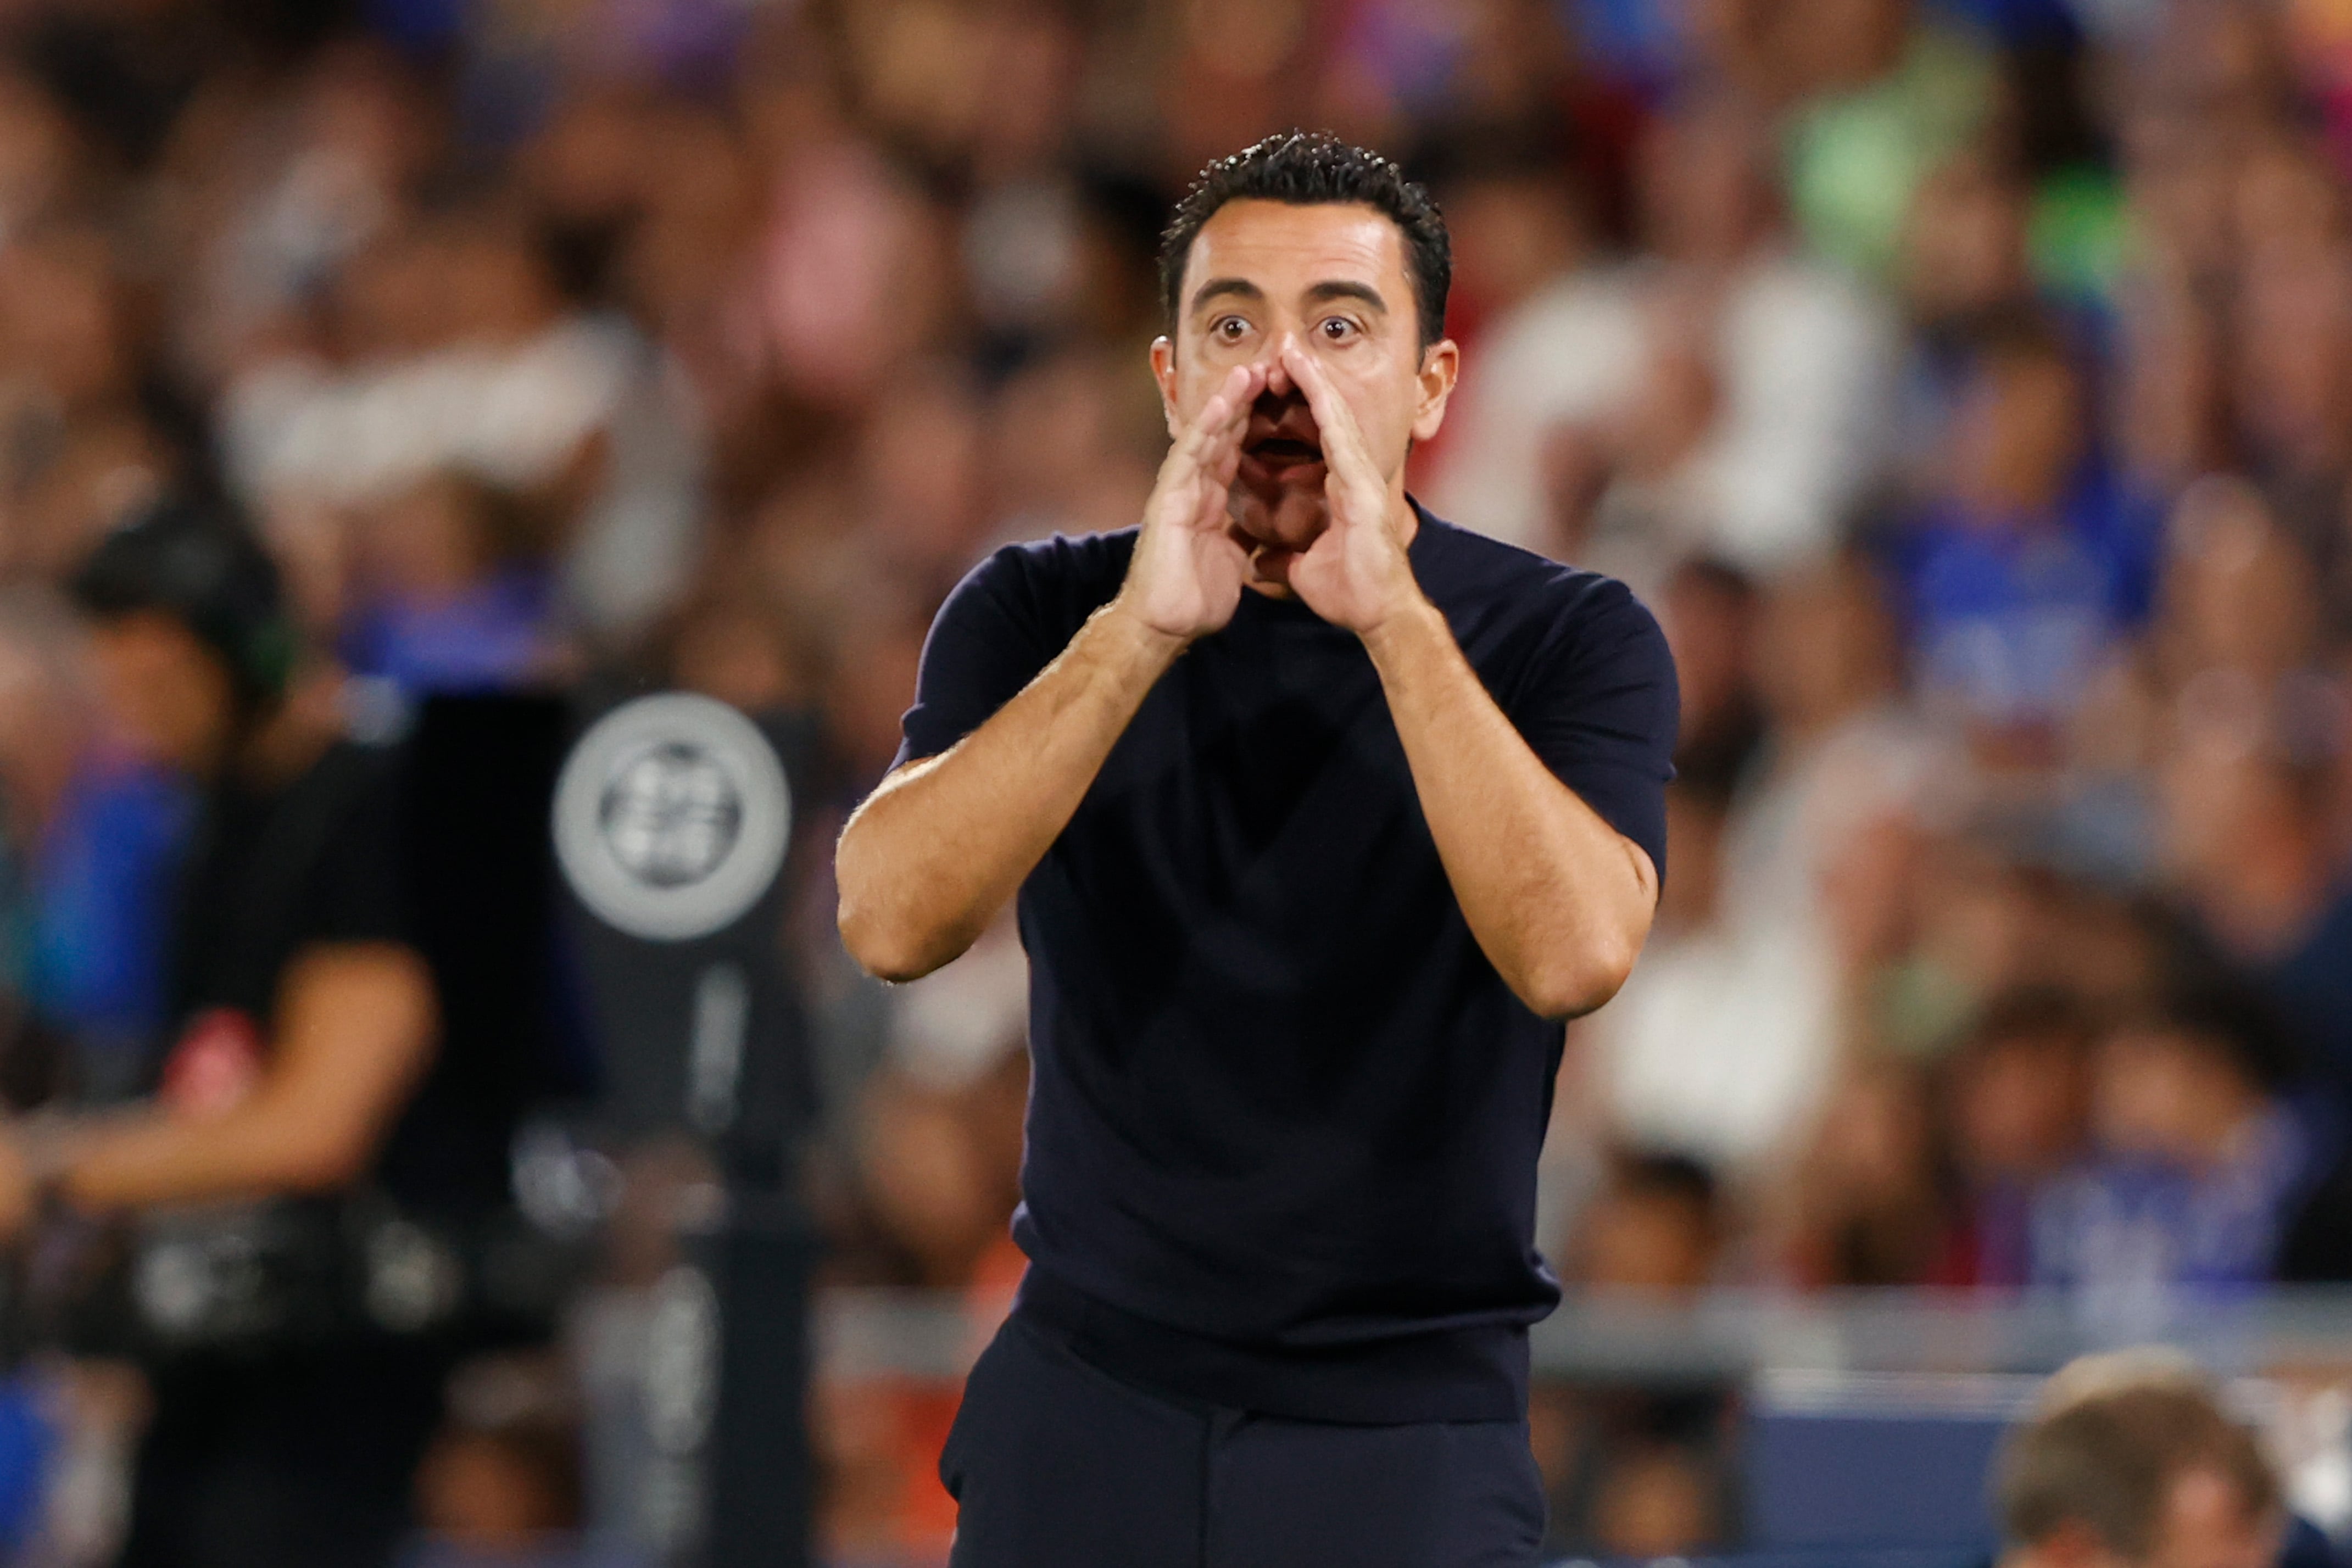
1600	709
987	643
357	892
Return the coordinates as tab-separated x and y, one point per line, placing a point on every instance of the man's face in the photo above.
2018	1105
1332	278
168	694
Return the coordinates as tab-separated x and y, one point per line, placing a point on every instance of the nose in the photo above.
1278	374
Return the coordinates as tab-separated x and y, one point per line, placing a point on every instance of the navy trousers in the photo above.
1057	1464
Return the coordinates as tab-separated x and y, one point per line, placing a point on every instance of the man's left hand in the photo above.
1355	574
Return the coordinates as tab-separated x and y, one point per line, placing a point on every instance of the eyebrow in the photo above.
1360	291
1242	288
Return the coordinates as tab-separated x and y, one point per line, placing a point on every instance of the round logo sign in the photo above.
672	817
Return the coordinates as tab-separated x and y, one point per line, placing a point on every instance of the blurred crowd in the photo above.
1967	384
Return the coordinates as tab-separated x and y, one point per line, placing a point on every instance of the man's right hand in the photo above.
1188	571
935	851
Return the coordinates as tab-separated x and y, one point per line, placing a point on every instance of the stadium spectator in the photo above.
1656	1225
2017	1094
2199	1169
1709	611
1724	1040
1866	1204
2249	825
1887	92
1727	397
2131	1461
703	343
2021	569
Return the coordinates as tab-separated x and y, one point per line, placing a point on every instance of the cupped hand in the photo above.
1355	574
1187	575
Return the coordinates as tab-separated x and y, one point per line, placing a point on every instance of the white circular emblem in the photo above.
672	816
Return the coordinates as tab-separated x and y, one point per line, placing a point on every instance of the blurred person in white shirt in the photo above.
1721	1047
1728	397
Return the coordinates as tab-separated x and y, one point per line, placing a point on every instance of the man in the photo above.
305	1021
1323	813
2128	1461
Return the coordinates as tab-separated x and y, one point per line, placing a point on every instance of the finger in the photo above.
1222	438
1228	405
1198	448
1333	418
1253	378
1343	438
1208	451
1193	446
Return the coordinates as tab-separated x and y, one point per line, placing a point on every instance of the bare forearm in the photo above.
144	1158
1558	900
356	1026
931	856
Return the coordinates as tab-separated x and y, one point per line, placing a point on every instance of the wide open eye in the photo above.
1338	329
1229	328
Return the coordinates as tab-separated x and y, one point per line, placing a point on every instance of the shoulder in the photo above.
1477	571
1062	558
1542	633
1050	576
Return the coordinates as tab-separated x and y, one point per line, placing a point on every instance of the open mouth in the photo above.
1284	452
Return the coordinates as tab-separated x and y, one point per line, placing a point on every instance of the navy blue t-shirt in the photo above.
1283	1114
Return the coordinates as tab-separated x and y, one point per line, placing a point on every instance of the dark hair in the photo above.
2035	1014
1314	168
2108	1443
201	568
2223	1015
1650	1173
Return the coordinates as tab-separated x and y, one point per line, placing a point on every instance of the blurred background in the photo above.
1967	384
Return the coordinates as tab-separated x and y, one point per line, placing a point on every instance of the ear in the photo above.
1440	363
1163	370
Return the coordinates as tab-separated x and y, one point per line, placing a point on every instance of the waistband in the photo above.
1474	1374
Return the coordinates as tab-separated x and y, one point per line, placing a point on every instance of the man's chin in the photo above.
1291	524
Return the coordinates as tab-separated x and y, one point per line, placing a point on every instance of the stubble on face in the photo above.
1281	256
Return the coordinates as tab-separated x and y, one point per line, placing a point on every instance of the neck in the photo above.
279	747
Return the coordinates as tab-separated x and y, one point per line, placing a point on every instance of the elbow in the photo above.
886	949
893	916
883	954
873	939
877	942
1580	983
324	1163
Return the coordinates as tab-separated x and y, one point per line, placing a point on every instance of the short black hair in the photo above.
200	565
1314	168
2225	1014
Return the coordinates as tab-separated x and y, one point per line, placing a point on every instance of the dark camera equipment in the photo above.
599	893
431	1246
634	999
674	827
